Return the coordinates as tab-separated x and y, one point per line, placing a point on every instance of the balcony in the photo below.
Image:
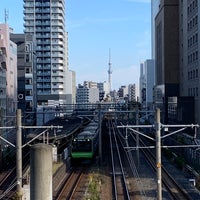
57	36
57	61
57	5
29	87
57	23
57	42
42	36
46	48
29	23
28	5
45	80
46	54
57	55
47	86
57	30
28	75
58	86
28	11
58	17
40	92
48	67
58	67
57	10
29	98
28	17
57	73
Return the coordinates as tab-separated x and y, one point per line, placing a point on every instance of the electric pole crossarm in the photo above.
142	134
7	127
34	138
7	141
137	126
51	127
134	148
182	146
179	125
164	136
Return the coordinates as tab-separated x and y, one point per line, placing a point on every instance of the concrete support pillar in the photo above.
41	172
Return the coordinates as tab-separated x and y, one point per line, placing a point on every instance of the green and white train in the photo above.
84	145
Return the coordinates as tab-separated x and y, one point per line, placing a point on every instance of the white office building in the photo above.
147	83
87	94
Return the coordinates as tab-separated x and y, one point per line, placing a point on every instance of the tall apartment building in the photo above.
46	21
132	92
26	76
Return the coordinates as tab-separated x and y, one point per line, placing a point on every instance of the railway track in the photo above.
8	182
120	187
71	184
8	179
176	191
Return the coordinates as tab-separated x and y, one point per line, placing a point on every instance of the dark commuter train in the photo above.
84	145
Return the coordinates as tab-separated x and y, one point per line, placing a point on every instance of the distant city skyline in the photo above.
124	26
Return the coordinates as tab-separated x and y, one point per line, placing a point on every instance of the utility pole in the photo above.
158	155
18	127
137	136
158	127
100	135
19	190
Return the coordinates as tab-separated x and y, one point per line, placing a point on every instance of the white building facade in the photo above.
86	95
147	83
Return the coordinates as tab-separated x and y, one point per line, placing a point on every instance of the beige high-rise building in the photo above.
8	80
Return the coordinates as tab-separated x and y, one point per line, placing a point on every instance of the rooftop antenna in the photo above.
6	16
109	72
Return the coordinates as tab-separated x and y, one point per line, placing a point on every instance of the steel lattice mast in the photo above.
109	72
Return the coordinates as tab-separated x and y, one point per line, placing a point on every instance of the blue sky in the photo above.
94	27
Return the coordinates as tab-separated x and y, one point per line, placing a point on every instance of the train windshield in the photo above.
82	146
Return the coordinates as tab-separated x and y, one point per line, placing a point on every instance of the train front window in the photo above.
81	146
